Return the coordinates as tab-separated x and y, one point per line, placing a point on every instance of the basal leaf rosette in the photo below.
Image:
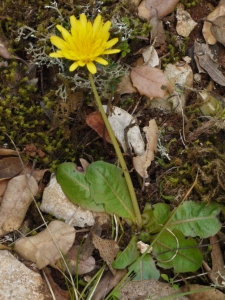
85	43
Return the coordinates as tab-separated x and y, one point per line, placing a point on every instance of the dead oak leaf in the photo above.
108	250
151	82
141	163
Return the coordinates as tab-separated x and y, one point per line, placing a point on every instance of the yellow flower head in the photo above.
85	44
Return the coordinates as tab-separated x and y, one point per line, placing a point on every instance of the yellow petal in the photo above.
111	43
81	63
73	66
111	51
56	55
83	20
101	61
58	42
73	21
91	67
106	27
66	35
97	24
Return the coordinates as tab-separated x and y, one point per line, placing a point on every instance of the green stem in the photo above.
118	153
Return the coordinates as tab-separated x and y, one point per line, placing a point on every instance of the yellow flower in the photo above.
85	44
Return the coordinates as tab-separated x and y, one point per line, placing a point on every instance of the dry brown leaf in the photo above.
3	186
218	28
217	262
88	247
158	35
6	152
4	49
148	289
206	31
10	167
57	291
95	121
147	8
203	56
185	24
151	82
36	173
16	200
83	267
150	56
141	163
107	283
182	76
206	295
125	86
108	250
41	248
126	130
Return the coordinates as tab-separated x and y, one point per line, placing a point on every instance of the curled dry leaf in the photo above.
16	200
44	248
120	120
151	82
108	250
185	24
147	8
150	56
206	31
19	282
141	163
55	202
204	58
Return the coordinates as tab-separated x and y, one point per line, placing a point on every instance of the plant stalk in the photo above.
118	153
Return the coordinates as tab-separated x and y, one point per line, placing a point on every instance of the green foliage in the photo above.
145	268
101	188
173	250
167	233
189	3
128	256
124	47
170	280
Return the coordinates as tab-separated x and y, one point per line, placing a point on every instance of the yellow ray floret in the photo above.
85	44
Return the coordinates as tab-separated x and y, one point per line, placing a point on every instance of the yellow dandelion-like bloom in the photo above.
85	44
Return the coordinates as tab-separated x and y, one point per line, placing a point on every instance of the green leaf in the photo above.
109	187
76	187
173	250
154	215
145	268
101	188
128	256
195	219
